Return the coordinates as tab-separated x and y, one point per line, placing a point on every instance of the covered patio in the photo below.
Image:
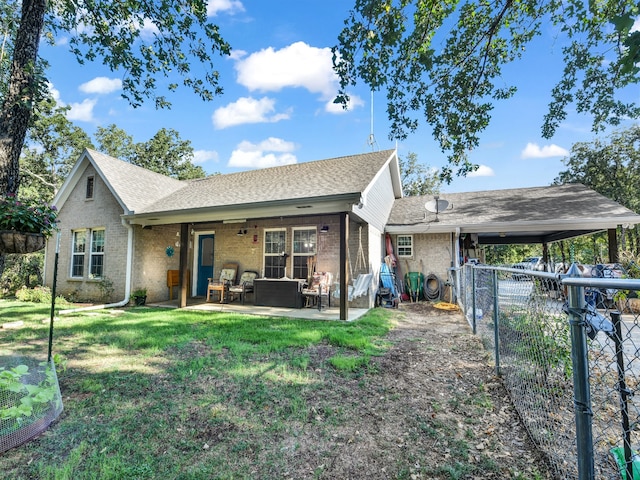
199	303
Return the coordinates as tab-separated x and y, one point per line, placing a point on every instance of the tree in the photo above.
611	168
52	147
417	179
164	153
184	42
444	60
115	142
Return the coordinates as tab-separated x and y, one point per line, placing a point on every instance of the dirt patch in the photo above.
432	409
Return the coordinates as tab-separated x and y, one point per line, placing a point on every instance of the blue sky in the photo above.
277	105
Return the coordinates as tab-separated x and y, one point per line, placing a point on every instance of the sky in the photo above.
277	107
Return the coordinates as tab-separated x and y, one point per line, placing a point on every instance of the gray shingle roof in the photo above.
539	204
321	178
136	187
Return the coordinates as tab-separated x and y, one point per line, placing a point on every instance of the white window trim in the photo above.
412	246
264	248
80	254
293	236
93	254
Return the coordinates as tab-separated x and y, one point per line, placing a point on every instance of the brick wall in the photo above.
78	212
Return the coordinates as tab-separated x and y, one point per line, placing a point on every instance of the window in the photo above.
78	247
89	187
304	248
405	245
274	247
96	263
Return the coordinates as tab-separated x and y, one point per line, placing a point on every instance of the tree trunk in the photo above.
23	85
17	106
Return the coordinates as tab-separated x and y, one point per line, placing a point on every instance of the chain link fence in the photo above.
568	351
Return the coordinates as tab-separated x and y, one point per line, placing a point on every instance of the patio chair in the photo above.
320	287
245	286
227	278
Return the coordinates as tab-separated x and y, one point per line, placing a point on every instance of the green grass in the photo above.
175	394
158	393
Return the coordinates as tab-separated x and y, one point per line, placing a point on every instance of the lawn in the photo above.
158	393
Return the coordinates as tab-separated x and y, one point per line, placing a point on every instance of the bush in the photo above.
21	271
38	295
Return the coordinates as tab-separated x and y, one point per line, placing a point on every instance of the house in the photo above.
123	227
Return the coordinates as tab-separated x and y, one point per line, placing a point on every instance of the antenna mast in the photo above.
372	139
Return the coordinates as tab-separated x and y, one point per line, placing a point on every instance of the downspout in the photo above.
127	284
456	266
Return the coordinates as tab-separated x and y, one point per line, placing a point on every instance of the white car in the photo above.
530	263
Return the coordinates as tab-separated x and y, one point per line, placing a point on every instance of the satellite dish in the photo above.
436	205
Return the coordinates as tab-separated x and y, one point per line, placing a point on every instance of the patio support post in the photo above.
613	245
344	266
184	252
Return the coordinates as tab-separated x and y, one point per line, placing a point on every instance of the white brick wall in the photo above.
103	211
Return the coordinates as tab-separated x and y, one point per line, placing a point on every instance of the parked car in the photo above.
529	263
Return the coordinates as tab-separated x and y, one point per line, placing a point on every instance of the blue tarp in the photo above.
386	277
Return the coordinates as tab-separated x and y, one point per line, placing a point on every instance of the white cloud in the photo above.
247	110
336	108
203	156
272	152
237	54
228	6
55	93
298	65
482	171
82	112
148	30
636	25
101	85
533	150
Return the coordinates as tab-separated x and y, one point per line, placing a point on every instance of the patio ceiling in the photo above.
283	208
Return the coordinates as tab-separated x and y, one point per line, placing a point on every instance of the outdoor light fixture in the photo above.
324	229
242	232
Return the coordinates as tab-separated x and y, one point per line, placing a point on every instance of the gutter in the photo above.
127	286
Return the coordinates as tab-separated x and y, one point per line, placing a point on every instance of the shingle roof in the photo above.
321	178
539	204
136	187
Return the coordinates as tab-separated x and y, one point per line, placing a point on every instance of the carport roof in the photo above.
523	215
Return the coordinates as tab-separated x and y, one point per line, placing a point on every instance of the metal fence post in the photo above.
624	392
496	321
581	391
473	300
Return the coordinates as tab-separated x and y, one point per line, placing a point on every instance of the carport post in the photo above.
613	245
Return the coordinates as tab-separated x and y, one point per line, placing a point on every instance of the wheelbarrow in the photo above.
414	283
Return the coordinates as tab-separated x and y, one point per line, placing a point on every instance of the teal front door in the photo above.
205	263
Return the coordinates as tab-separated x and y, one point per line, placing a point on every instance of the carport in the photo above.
464	221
